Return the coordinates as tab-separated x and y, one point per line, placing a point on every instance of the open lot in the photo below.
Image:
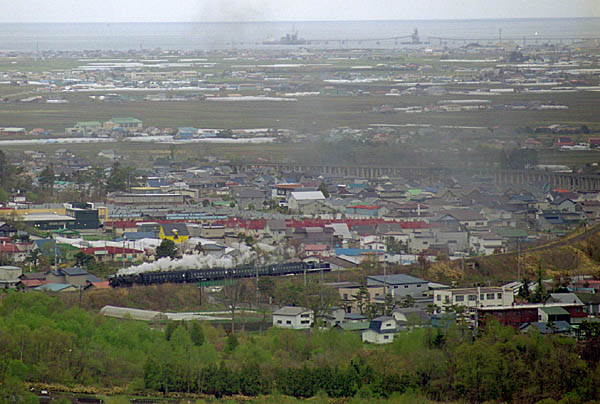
308	113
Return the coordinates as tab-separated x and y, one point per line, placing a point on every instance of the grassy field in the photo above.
312	114
307	114
30	64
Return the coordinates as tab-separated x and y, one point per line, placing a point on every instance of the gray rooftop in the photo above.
290	311
74	271
396	279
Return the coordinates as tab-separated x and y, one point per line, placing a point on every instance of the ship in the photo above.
288	39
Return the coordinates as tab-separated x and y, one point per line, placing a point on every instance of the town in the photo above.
303	219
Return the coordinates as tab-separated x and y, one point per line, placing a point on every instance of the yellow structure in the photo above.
21	212
176	232
17	213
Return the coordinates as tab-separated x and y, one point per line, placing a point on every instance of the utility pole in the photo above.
385	284
477	308
200	287
257	295
321	287
305	277
518	259
123	253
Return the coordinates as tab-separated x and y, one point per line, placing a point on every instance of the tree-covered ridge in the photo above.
42	341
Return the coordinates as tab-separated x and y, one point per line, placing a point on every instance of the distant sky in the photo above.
286	10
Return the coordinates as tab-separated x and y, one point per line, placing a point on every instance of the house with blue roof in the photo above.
156	182
545	328
381	330
137	235
186	133
351	252
48	247
74	276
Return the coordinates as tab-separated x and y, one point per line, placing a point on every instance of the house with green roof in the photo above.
358	326
511	233
128	124
553	314
66	233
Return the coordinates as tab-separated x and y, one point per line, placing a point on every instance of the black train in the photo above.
197	275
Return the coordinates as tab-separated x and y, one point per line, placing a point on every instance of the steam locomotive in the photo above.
213	274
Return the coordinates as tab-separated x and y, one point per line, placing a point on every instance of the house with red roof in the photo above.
561	141
98	285
594	142
13	252
30	283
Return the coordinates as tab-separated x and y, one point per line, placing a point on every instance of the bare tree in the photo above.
319	298
233	294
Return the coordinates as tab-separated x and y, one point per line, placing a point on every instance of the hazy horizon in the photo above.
132	11
296	21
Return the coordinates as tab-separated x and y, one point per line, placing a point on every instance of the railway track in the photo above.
215	274
563	241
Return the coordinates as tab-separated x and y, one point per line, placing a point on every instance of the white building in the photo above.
307	202
293	317
473	297
486	243
381	330
400	285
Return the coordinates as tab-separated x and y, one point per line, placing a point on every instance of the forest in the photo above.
42	341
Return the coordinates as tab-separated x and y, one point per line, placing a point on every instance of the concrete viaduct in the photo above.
575	182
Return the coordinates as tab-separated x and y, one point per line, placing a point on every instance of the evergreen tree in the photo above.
83	260
196	333
46	178
166	249
524	289
362	298
120	178
323	189
232	343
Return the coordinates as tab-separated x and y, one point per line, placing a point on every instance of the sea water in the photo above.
227	35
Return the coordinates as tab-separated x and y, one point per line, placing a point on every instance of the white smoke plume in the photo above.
240	256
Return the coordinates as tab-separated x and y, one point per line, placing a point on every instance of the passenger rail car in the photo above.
213	274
